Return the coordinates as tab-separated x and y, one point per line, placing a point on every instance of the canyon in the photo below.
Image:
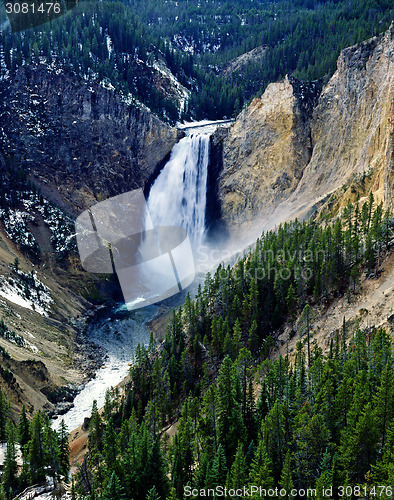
298	150
293	149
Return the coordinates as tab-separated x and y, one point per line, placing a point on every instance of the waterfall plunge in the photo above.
178	196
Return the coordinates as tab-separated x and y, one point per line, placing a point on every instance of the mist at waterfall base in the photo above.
178	197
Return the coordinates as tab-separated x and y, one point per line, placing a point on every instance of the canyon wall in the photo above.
280	163
264	155
80	143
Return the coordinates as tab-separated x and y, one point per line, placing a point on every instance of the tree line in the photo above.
44	453
117	41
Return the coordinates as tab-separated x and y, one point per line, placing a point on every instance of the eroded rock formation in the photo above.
80	138
280	163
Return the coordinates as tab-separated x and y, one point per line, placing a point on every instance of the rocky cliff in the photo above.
280	163
82	141
264	155
389	173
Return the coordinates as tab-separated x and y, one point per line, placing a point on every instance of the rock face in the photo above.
264	155
351	131
80	143
81	139
280	163
389	174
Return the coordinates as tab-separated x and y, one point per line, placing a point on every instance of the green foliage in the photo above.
10	335
64	450
23	429
320	421
36	453
114	490
9	477
43	452
116	42
3	416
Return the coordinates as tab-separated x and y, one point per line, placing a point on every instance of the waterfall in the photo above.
178	196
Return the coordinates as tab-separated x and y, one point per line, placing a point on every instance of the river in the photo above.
118	333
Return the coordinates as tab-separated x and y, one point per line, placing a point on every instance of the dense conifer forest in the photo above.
306	420
118	42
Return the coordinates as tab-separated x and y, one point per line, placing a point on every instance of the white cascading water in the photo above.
178	196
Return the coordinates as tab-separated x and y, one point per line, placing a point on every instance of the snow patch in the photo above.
27	291
182	92
32	347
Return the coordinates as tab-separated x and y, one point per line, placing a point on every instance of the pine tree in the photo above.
286	480
110	446
23	429
51	453
291	301
218	472
230	423
114	489
238	473
152	494
9	477
253	339
95	433
36	454
312	438
325	481
359	446
306	319
3	417
107	405
384	403
172	495
155	471
260	468
276	443
325	402
64	449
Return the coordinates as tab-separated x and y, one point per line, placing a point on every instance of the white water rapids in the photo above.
177	198
118	335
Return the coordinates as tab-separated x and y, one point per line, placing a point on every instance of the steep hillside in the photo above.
351	125
349	134
64	144
389	174
41	319
224	52
264	155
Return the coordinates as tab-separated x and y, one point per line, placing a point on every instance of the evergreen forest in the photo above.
118	42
